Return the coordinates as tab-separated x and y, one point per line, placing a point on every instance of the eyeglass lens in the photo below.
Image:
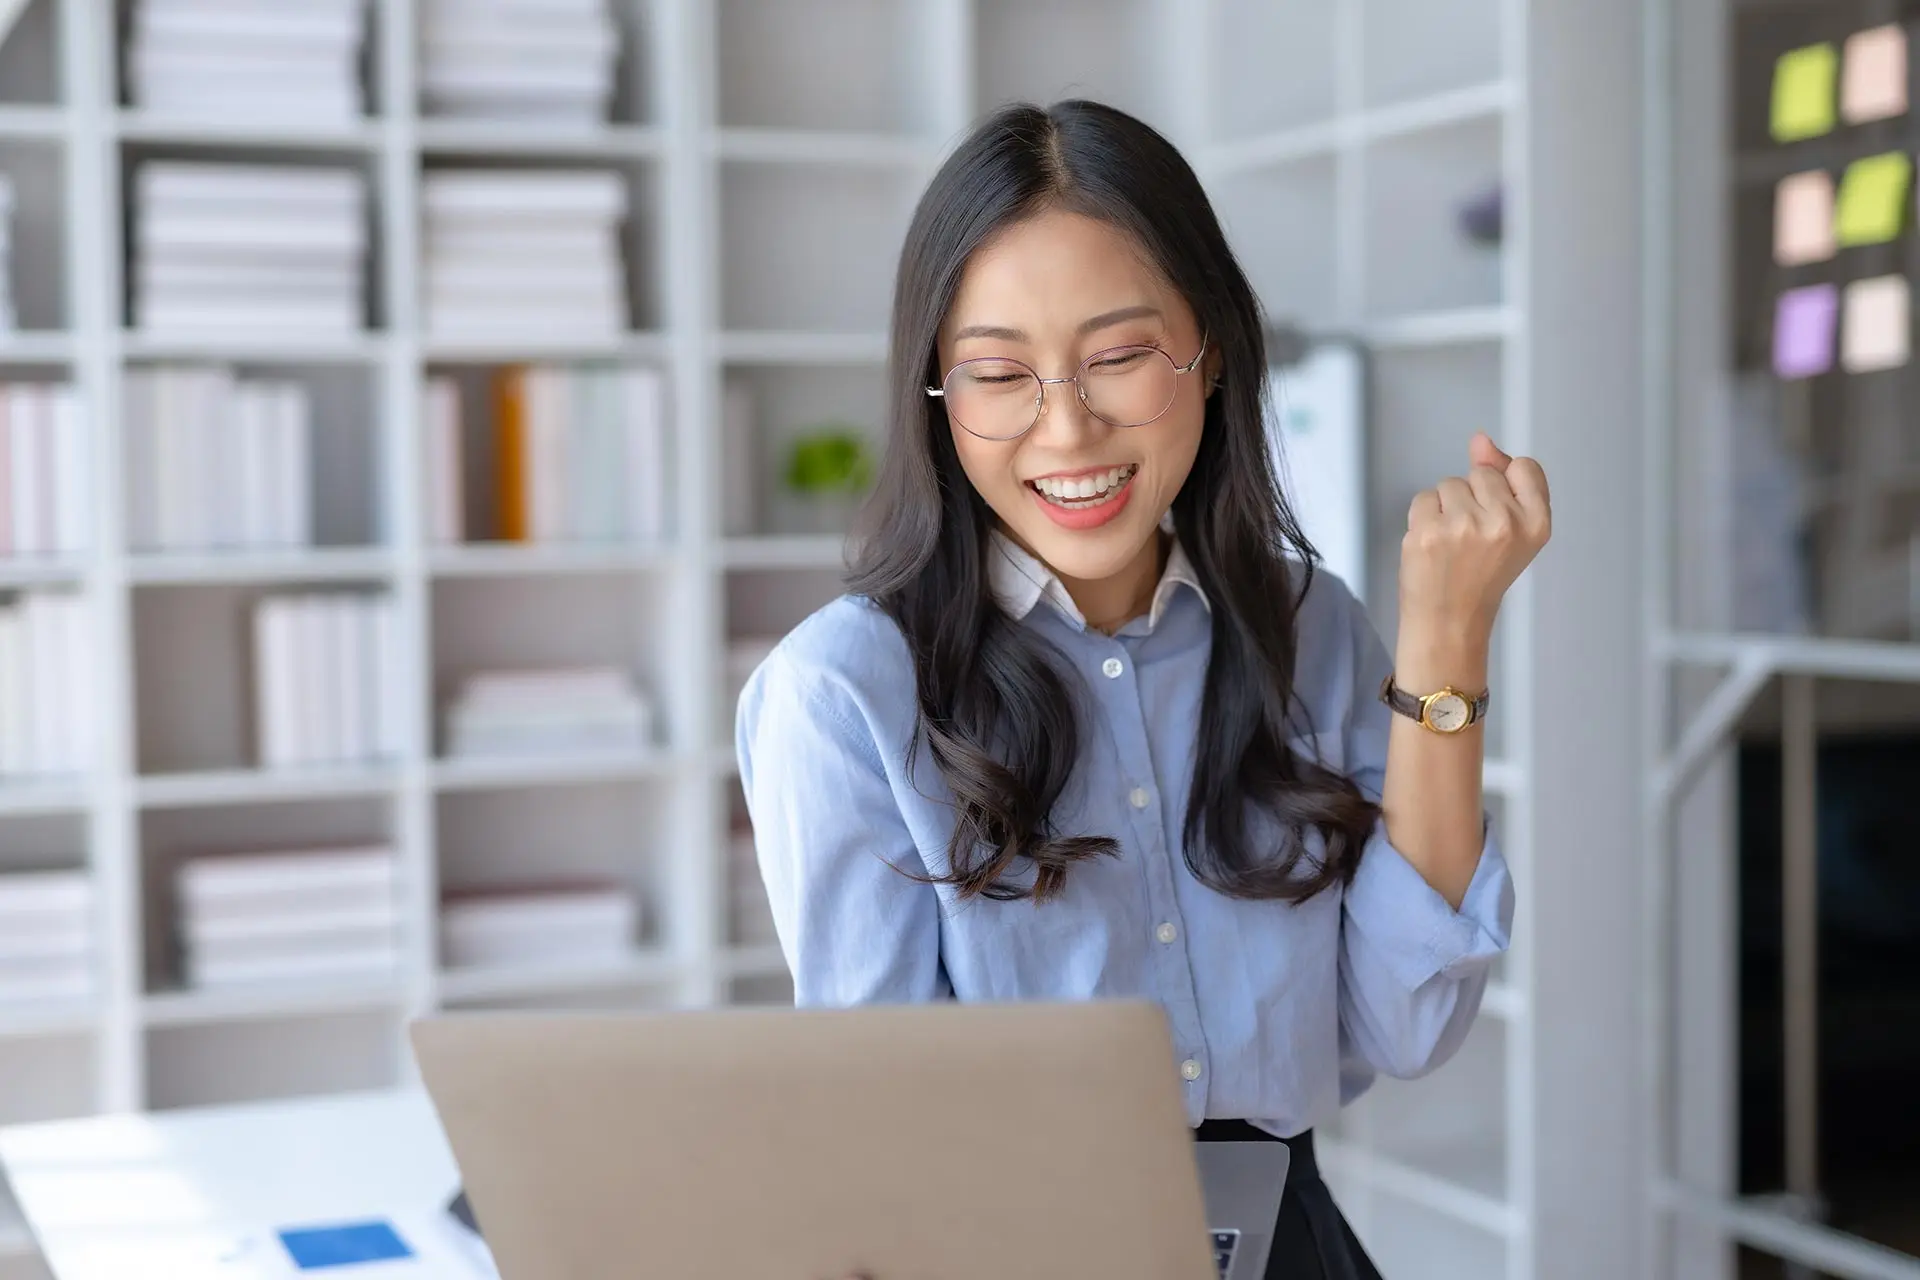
1000	399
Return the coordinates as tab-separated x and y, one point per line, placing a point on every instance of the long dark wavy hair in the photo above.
995	707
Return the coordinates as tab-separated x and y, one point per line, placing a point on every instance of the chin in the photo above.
1086	555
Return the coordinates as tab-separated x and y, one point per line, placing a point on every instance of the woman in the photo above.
1088	722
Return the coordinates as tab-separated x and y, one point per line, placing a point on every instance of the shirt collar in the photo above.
1020	581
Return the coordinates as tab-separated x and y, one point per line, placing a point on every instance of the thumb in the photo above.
1483	452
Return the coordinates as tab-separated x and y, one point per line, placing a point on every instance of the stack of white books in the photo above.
517	252
215	462
327	688
45	470
552	61
751	914
289	916
9	315
260	59
47	686
544	712
46	936
254	247
538	923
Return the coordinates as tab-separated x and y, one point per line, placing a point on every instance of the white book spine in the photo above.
29	489
16	706
322	679
295	466
643	414
136	435
198	407
254	461
6	472
73	470
550	419
389	689
353	671
273	687
81	684
445	478
47	683
225	493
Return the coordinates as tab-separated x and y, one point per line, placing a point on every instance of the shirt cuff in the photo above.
1415	931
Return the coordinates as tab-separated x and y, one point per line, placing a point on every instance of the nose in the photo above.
1065	421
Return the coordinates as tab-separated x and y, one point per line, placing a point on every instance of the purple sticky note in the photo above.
1803	330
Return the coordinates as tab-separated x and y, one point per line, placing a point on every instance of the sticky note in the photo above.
1803	325
343	1244
1803	218
1873	199
1803	92
1873	74
1876	324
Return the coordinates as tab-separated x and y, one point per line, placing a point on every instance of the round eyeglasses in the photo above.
997	398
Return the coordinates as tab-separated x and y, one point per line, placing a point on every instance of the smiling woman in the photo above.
1090	722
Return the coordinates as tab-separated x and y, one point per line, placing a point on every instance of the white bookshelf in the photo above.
744	128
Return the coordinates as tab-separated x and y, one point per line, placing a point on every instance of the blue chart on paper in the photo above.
343	1245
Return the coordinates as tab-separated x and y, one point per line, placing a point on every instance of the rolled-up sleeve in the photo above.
1412	968
831	843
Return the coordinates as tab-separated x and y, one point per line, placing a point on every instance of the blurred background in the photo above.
416	416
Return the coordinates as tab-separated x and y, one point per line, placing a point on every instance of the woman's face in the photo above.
1083	495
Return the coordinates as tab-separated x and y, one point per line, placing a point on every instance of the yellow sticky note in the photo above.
1876	324
1873	76
1803	218
1803	92
1873	199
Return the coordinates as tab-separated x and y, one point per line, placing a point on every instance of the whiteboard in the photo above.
1317	429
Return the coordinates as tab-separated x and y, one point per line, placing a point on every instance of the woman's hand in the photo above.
1468	538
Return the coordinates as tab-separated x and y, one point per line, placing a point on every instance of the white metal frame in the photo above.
1680	746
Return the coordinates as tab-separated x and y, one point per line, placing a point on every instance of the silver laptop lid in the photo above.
1242	1184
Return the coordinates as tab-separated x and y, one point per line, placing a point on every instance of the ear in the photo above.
1211	367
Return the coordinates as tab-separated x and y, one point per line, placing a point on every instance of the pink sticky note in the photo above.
1803	218
1873	75
1876	326
1803	330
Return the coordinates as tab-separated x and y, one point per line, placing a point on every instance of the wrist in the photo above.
1430	654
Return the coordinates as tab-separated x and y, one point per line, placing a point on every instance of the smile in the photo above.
1077	492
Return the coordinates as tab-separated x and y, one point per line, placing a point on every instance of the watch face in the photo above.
1448	713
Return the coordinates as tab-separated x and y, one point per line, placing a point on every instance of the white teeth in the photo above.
1082	488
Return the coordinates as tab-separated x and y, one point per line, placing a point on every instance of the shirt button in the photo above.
1112	668
1190	1070
1166	933
1138	797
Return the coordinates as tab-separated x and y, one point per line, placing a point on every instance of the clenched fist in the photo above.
1468	538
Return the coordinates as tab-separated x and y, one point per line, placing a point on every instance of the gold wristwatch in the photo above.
1445	710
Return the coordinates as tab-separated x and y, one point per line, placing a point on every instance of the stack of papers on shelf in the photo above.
254	247
217	463
298	63
46	936
541	923
751	914
552	62
46	686
288	917
512	253
45	470
559	711
581	455
326	679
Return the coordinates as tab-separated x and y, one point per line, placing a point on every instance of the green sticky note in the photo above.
1873	199
1803	92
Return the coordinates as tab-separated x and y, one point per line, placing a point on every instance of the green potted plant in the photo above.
828	471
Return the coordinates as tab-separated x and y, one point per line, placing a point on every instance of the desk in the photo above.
198	1194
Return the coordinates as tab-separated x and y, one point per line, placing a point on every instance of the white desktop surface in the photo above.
199	1194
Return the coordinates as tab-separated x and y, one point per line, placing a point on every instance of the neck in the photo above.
1111	602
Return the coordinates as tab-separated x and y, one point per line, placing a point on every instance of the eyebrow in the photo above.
1101	321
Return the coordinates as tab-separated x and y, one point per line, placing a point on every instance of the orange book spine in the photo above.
510	422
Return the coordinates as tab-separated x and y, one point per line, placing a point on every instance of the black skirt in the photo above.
1311	1240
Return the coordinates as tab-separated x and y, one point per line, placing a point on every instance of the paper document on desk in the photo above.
425	1246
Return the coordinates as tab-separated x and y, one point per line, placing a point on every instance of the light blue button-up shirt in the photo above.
1280	1014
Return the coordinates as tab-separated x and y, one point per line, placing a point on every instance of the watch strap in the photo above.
1411	705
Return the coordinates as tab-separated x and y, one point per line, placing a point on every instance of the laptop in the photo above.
931	1141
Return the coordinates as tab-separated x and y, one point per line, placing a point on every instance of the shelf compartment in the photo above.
1419	48
31	57
37	254
48	1078
1044	50
767	411
1419	257
852	222
770	54
255	1060
198	685
1269	215
1247	97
